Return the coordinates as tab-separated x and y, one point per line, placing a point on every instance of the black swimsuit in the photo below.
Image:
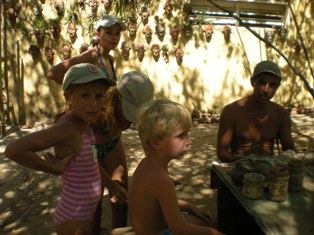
103	68
105	148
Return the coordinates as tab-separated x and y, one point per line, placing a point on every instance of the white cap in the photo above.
109	20
135	89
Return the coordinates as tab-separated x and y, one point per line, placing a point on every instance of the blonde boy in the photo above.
163	128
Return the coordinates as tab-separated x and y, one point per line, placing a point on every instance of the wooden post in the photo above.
1	78
5	66
22	111
19	93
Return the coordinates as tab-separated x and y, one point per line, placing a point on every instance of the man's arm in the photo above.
285	135
225	135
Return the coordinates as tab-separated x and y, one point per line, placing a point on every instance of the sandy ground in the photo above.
28	198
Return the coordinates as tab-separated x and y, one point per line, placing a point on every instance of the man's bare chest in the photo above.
256	127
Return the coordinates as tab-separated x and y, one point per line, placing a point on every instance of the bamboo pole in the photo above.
19	93
5	68
1	83
22	110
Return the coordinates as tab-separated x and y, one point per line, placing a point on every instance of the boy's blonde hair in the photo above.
159	118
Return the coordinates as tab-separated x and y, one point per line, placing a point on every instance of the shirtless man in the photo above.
251	125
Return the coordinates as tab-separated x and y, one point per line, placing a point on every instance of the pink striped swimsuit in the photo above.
81	186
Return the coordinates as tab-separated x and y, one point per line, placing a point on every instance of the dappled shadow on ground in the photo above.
28	198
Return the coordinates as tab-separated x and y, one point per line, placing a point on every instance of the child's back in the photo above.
150	181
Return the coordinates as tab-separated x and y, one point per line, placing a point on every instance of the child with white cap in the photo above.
121	104
72	139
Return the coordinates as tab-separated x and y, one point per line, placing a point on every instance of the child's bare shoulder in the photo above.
67	125
162	181
66	132
150	174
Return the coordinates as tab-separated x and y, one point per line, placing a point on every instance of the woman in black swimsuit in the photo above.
121	104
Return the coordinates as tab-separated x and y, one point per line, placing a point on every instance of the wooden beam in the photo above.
259	11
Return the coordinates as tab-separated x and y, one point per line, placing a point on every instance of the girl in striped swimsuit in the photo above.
72	139
107	36
110	148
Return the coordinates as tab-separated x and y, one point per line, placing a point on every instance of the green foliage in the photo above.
201	19
89	27
71	16
55	21
165	48
41	24
126	8
23	31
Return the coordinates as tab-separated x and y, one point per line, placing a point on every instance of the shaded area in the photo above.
28	198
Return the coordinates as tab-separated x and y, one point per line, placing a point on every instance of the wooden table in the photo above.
240	216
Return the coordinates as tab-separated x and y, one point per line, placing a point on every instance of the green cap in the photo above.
267	66
84	73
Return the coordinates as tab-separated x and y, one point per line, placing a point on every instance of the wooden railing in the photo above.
261	13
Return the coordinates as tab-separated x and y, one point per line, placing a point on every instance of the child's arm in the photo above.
192	210
172	214
24	150
57	72
117	192
60	163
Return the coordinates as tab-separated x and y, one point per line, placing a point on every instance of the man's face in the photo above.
265	86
